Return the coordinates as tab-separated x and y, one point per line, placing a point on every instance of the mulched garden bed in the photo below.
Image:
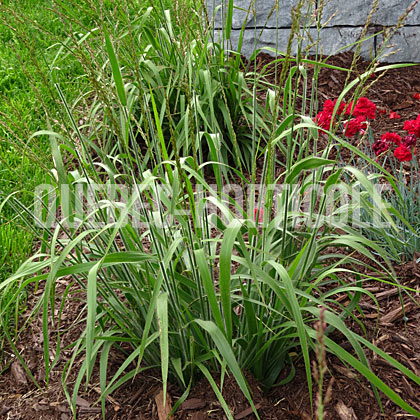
352	397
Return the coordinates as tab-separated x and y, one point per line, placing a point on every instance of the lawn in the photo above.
22	114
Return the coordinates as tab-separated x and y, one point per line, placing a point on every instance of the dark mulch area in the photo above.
391	91
352	397
351	394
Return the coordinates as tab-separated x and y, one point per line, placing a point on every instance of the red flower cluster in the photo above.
323	118
404	152
391	137
380	147
413	126
354	126
364	108
410	140
329	106
362	111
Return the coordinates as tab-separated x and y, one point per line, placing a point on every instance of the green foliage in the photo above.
206	109
400	195
156	287
26	31
187	288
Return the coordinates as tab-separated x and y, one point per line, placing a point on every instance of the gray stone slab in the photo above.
355	13
331	41
266	14
343	29
403	47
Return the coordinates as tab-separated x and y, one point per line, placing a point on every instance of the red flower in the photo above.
348	108
391	137
380	147
354	126
325	117
323	120
413	126
341	107
328	106
403	153
260	214
409	141
417	96
382	111
394	116
364	108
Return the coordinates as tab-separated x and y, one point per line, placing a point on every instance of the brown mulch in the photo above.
352	396
391	91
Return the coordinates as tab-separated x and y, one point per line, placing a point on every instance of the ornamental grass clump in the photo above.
175	272
194	294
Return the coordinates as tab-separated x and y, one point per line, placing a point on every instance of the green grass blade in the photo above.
116	72
297	315
162	313
225	268
226	351
229	20
216	390
209	287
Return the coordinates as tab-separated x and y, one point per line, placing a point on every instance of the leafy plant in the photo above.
155	287
178	284
399	190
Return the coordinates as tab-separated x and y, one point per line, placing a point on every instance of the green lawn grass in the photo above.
25	96
21	114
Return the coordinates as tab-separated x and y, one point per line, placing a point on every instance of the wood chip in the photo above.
114	402
401	339
371	316
247	412
4	410
345	371
81	402
89	410
344	412
199	415
193	404
18	373
163	410
408	388
397	313
386	293
403	105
